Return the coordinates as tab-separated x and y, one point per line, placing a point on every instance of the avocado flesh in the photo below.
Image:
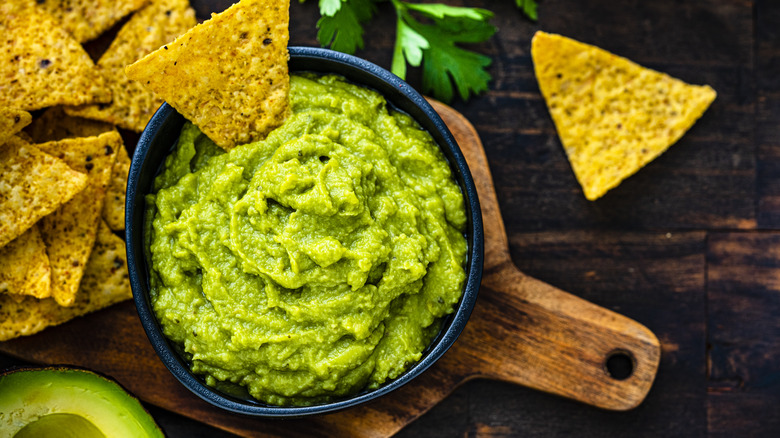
60	426
69	402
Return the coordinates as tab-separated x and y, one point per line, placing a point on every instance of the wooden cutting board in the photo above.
522	330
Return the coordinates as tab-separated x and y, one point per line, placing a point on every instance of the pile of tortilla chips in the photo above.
613	116
62	177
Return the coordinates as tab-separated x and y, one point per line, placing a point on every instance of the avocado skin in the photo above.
54	393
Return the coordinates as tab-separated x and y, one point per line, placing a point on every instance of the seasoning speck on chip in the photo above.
222	76
42	64
612	115
12	120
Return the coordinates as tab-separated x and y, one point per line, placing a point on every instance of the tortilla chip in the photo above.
12	120
106	279
55	125
42	64
158	23
25	266
105	282
69	232
114	204
612	115
228	75
32	185
25	137
86	19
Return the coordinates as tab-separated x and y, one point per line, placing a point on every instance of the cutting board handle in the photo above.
544	338
529	332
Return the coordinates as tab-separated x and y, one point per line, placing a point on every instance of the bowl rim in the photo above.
439	345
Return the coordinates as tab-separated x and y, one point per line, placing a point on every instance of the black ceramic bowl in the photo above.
157	141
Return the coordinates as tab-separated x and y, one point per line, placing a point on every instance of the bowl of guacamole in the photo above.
314	270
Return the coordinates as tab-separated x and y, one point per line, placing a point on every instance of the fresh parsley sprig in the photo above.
528	7
434	46
340	26
428	35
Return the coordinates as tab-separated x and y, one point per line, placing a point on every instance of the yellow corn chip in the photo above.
25	137
42	64
55	125
613	116
106	279
12	120
105	282
69	232
114	204
86	19
25	266
228	75
32	185
158	23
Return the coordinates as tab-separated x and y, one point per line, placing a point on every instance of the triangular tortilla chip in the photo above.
613	116
32	185
228	75
86	19
69	232
25	266
114	204
105	282
42	64
55	125
158	23
12	120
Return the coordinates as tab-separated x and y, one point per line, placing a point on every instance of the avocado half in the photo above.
69	402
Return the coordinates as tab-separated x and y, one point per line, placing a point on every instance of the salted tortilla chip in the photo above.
32	185
54	125
227	75
69	232
114	204
613	116
86	19
156	24
12	120
105	282
25	266
42	64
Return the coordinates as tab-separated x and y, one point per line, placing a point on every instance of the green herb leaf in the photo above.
446	66
343	30
444	61
438	10
528	7
408	44
330	7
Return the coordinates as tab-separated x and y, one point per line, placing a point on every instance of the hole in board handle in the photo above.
619	364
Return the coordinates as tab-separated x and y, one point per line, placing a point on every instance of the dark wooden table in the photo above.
690	246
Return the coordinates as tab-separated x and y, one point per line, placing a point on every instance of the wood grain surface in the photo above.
687	246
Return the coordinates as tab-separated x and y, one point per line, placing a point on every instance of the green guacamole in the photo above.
315	263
